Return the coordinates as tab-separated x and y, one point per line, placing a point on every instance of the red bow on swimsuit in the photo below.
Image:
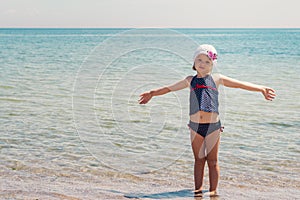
203	86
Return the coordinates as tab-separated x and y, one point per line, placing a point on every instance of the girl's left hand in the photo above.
268	93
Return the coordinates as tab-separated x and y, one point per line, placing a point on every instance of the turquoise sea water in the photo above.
71	125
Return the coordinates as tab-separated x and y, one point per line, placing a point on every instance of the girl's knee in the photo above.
200	159
212	163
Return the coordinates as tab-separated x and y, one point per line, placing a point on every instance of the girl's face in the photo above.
203	64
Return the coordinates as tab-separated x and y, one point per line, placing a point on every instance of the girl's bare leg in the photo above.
199	155
212	142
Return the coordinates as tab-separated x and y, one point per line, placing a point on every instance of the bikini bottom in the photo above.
204	129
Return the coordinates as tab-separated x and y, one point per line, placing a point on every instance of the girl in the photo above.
204	124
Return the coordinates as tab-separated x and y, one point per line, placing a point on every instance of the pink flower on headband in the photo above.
212	55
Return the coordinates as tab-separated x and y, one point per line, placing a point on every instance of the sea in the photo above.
71	126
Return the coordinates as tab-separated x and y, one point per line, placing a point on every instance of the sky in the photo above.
150	13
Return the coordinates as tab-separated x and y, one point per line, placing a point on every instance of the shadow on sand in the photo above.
175	194
163	195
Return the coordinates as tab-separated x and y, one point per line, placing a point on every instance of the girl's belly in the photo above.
204	117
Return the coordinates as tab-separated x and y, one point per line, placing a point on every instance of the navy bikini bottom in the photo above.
205	129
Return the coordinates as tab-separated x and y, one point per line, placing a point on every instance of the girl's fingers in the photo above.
143	100
270	89
270	97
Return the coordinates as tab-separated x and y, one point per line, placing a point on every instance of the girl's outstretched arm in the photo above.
146	97
268	92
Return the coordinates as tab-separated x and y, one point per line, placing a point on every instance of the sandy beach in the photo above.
15	186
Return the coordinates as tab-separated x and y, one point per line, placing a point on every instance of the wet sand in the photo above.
16	185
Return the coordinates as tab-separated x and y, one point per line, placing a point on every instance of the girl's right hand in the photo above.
145	97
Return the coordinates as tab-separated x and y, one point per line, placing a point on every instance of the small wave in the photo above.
6	87
11	100
171	128
281	124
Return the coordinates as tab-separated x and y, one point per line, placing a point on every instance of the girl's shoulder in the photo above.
217	78
189	79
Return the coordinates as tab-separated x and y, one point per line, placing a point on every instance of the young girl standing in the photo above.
204	124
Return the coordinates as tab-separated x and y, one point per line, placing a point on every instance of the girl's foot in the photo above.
198	193
213	193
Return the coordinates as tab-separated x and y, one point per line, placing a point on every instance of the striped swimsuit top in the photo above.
203	95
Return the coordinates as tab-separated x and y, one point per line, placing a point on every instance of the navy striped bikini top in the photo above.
203	95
